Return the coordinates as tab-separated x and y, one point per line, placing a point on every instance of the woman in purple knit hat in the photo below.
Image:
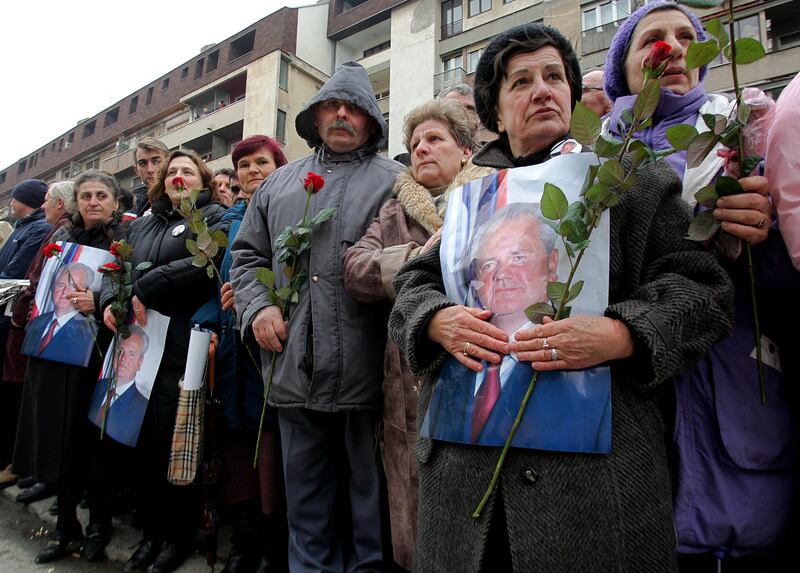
733	470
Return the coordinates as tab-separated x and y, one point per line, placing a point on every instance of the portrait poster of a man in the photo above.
123	391
58	331
498	253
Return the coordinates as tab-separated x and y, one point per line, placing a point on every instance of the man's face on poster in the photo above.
513	269
129	358
65	283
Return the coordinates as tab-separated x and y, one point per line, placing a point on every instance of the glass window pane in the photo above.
606	13
589	19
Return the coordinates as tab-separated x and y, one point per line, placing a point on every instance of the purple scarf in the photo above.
672	109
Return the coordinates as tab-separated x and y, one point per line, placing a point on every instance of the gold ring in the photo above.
465	352
553	354
762	223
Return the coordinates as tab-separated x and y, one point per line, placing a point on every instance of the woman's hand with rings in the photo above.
465	333
747	215
83	301
572	343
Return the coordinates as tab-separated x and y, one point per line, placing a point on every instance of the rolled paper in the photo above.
196	359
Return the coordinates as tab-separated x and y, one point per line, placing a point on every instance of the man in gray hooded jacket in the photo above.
328	372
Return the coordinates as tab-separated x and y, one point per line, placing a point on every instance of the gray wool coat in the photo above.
333	356
570	511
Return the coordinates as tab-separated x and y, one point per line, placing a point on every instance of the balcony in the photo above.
205	124
451	29
599	39
448	78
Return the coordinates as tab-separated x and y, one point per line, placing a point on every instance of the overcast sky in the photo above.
66	61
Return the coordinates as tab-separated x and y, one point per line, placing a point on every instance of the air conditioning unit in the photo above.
67	145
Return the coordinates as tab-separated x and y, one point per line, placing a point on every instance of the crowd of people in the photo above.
697	472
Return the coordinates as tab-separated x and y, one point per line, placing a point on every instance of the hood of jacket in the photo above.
350	83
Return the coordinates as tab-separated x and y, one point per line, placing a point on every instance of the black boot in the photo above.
58	546
97	537
245	555
275	558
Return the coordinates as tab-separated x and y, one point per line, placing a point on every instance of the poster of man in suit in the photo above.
498	253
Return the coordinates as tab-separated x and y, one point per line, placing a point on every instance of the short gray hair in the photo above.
136	330
506	215
72	268
461	89
462	126
64	190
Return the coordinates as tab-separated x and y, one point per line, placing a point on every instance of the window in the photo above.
185	72
379	48
280	126
242	45
88	129
134	104
111	117
472	60
452	18
479	7
149	99
2	177
283	74
213	61
53	146
93	164
165	84
452	62
749	27
198	68
601	13
21	167
44	151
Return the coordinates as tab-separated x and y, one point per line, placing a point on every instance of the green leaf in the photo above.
565	312
144	265
295	298
298	280
536	312
607	147
598	193
627	116
681	135
710	120
748	50
749	164
575	231
720	124
200	260
554	202
647	100
632	178
265	276
283	293
701	53
212	249
210	271
323	216
727	186
191	246
701	3
204	241
556	291
638	152
716	29
700	147
220	238
552	224
707	196
742	112
585	124
703	227
575	290
611	173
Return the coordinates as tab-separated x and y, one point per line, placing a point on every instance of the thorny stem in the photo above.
524	403
750	269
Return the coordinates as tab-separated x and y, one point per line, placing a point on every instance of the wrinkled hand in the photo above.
83	301
109	320
139	311
747	215
580	342
435	238
226	296
465	333
269	328
214	339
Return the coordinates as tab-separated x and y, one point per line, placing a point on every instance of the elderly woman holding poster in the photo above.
668	301
54	438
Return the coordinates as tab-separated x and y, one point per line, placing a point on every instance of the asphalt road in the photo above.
22	535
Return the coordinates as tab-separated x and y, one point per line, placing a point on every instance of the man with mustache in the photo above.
329	367
513	257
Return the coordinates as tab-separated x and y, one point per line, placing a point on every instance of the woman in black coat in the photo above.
54	437
176	288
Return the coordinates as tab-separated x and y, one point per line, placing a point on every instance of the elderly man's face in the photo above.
593	96
129	358
513	269
343	126
65	284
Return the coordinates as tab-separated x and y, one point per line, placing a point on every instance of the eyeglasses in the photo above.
591	89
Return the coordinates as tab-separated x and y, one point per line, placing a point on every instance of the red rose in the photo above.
114	248
313	182
51	250
110	268
657	58
178	182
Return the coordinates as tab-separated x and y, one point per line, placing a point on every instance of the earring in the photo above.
463	161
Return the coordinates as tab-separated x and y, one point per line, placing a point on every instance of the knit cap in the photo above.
31	192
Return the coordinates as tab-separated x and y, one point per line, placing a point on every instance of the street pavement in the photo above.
23	533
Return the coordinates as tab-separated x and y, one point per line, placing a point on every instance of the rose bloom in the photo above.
314	181
659	54
51	250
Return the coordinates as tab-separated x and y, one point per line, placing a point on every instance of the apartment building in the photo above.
411	49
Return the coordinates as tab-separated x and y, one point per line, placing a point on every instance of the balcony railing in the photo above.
452	29
448	78
597	39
